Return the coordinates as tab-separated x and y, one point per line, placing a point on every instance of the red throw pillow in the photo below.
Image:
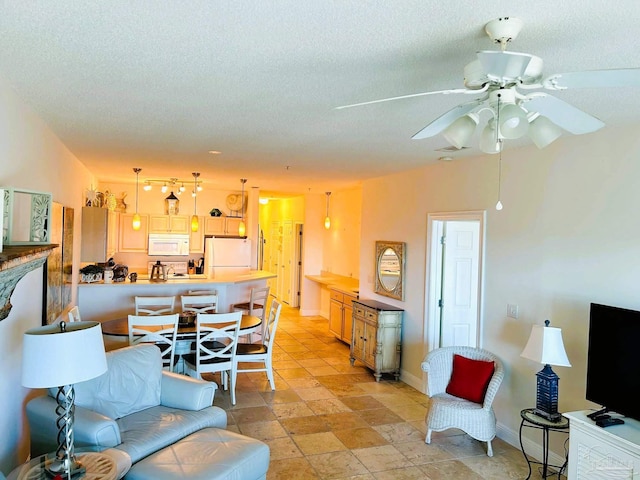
470	378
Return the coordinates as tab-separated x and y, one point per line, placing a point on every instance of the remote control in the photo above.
607	422
601	417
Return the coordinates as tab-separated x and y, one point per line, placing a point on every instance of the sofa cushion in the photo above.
152	429
131	383
470	378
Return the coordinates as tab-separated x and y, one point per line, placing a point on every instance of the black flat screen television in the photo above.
613	361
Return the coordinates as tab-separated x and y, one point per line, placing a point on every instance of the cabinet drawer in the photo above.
337	296
359	311
371	315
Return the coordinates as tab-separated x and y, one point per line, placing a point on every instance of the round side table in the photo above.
531	420
98	467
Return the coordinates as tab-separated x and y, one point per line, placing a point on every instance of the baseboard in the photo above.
411	380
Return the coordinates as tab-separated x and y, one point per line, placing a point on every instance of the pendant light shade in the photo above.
195	223
513	122
327	219
542	131
460	131
242	228
135	224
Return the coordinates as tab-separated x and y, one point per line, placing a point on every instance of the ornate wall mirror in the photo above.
390	269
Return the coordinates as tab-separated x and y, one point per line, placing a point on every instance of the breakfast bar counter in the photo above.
107	301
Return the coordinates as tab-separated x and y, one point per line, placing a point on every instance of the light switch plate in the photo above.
512	310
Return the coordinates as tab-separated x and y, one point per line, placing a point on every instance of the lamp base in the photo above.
59	468
552	417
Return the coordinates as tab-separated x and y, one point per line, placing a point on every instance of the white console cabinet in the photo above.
597	453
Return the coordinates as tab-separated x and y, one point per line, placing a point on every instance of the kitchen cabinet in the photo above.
196	239
130	240
341	314
597	453
99	240
377	336
222	226
169	223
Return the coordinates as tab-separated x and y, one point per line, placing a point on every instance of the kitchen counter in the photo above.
106	301
329	281
192	280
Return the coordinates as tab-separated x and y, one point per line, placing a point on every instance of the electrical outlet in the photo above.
512	310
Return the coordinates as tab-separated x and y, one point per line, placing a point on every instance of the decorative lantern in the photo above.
171	204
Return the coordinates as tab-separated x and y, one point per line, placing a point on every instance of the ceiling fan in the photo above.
508	85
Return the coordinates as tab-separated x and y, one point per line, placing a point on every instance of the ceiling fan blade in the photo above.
563	114
444	92
504	65
624	77
443	121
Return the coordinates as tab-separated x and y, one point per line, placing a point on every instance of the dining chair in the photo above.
202	292
216	343
154	305
256	306
161	330
260	352
74	314
199	303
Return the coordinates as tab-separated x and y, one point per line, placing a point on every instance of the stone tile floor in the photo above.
329	420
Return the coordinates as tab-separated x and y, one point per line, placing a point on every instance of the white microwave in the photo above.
168	244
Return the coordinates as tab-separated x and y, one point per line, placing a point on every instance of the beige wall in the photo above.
568	236
31	157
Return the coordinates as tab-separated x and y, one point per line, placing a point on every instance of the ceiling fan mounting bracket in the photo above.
504	29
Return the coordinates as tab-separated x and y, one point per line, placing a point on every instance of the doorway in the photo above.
455	257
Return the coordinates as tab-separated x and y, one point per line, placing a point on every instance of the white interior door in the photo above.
454	279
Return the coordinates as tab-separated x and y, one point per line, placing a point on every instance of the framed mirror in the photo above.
389	267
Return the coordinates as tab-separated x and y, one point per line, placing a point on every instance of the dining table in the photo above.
120	327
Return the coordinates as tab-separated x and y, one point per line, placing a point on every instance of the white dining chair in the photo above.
199	303
256	306
154	305
161	330
216	343
252	353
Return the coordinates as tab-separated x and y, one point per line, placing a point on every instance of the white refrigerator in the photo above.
224	256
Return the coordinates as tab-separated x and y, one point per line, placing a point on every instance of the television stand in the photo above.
596	453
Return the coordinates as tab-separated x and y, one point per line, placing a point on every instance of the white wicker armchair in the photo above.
447	411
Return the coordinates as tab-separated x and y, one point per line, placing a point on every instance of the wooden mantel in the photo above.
15	263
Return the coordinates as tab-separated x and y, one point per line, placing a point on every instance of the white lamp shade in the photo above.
545	346
543	131
513	121
52	358
488	139
461	130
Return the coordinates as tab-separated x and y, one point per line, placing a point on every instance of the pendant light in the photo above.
327	219
242	228
135	224
194	218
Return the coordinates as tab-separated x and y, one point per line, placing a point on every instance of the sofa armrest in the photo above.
186	393
89	428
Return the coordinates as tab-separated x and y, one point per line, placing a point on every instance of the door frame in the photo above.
431	330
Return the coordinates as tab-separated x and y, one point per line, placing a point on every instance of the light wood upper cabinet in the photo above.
169	224
222	226
99	234
130	240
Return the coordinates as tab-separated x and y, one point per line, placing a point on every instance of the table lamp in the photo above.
545	346
60	355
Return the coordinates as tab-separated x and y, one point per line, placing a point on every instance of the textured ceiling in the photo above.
157	84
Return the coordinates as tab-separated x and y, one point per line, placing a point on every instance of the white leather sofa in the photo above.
151	414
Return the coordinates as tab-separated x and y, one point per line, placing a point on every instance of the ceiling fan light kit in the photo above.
507	85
